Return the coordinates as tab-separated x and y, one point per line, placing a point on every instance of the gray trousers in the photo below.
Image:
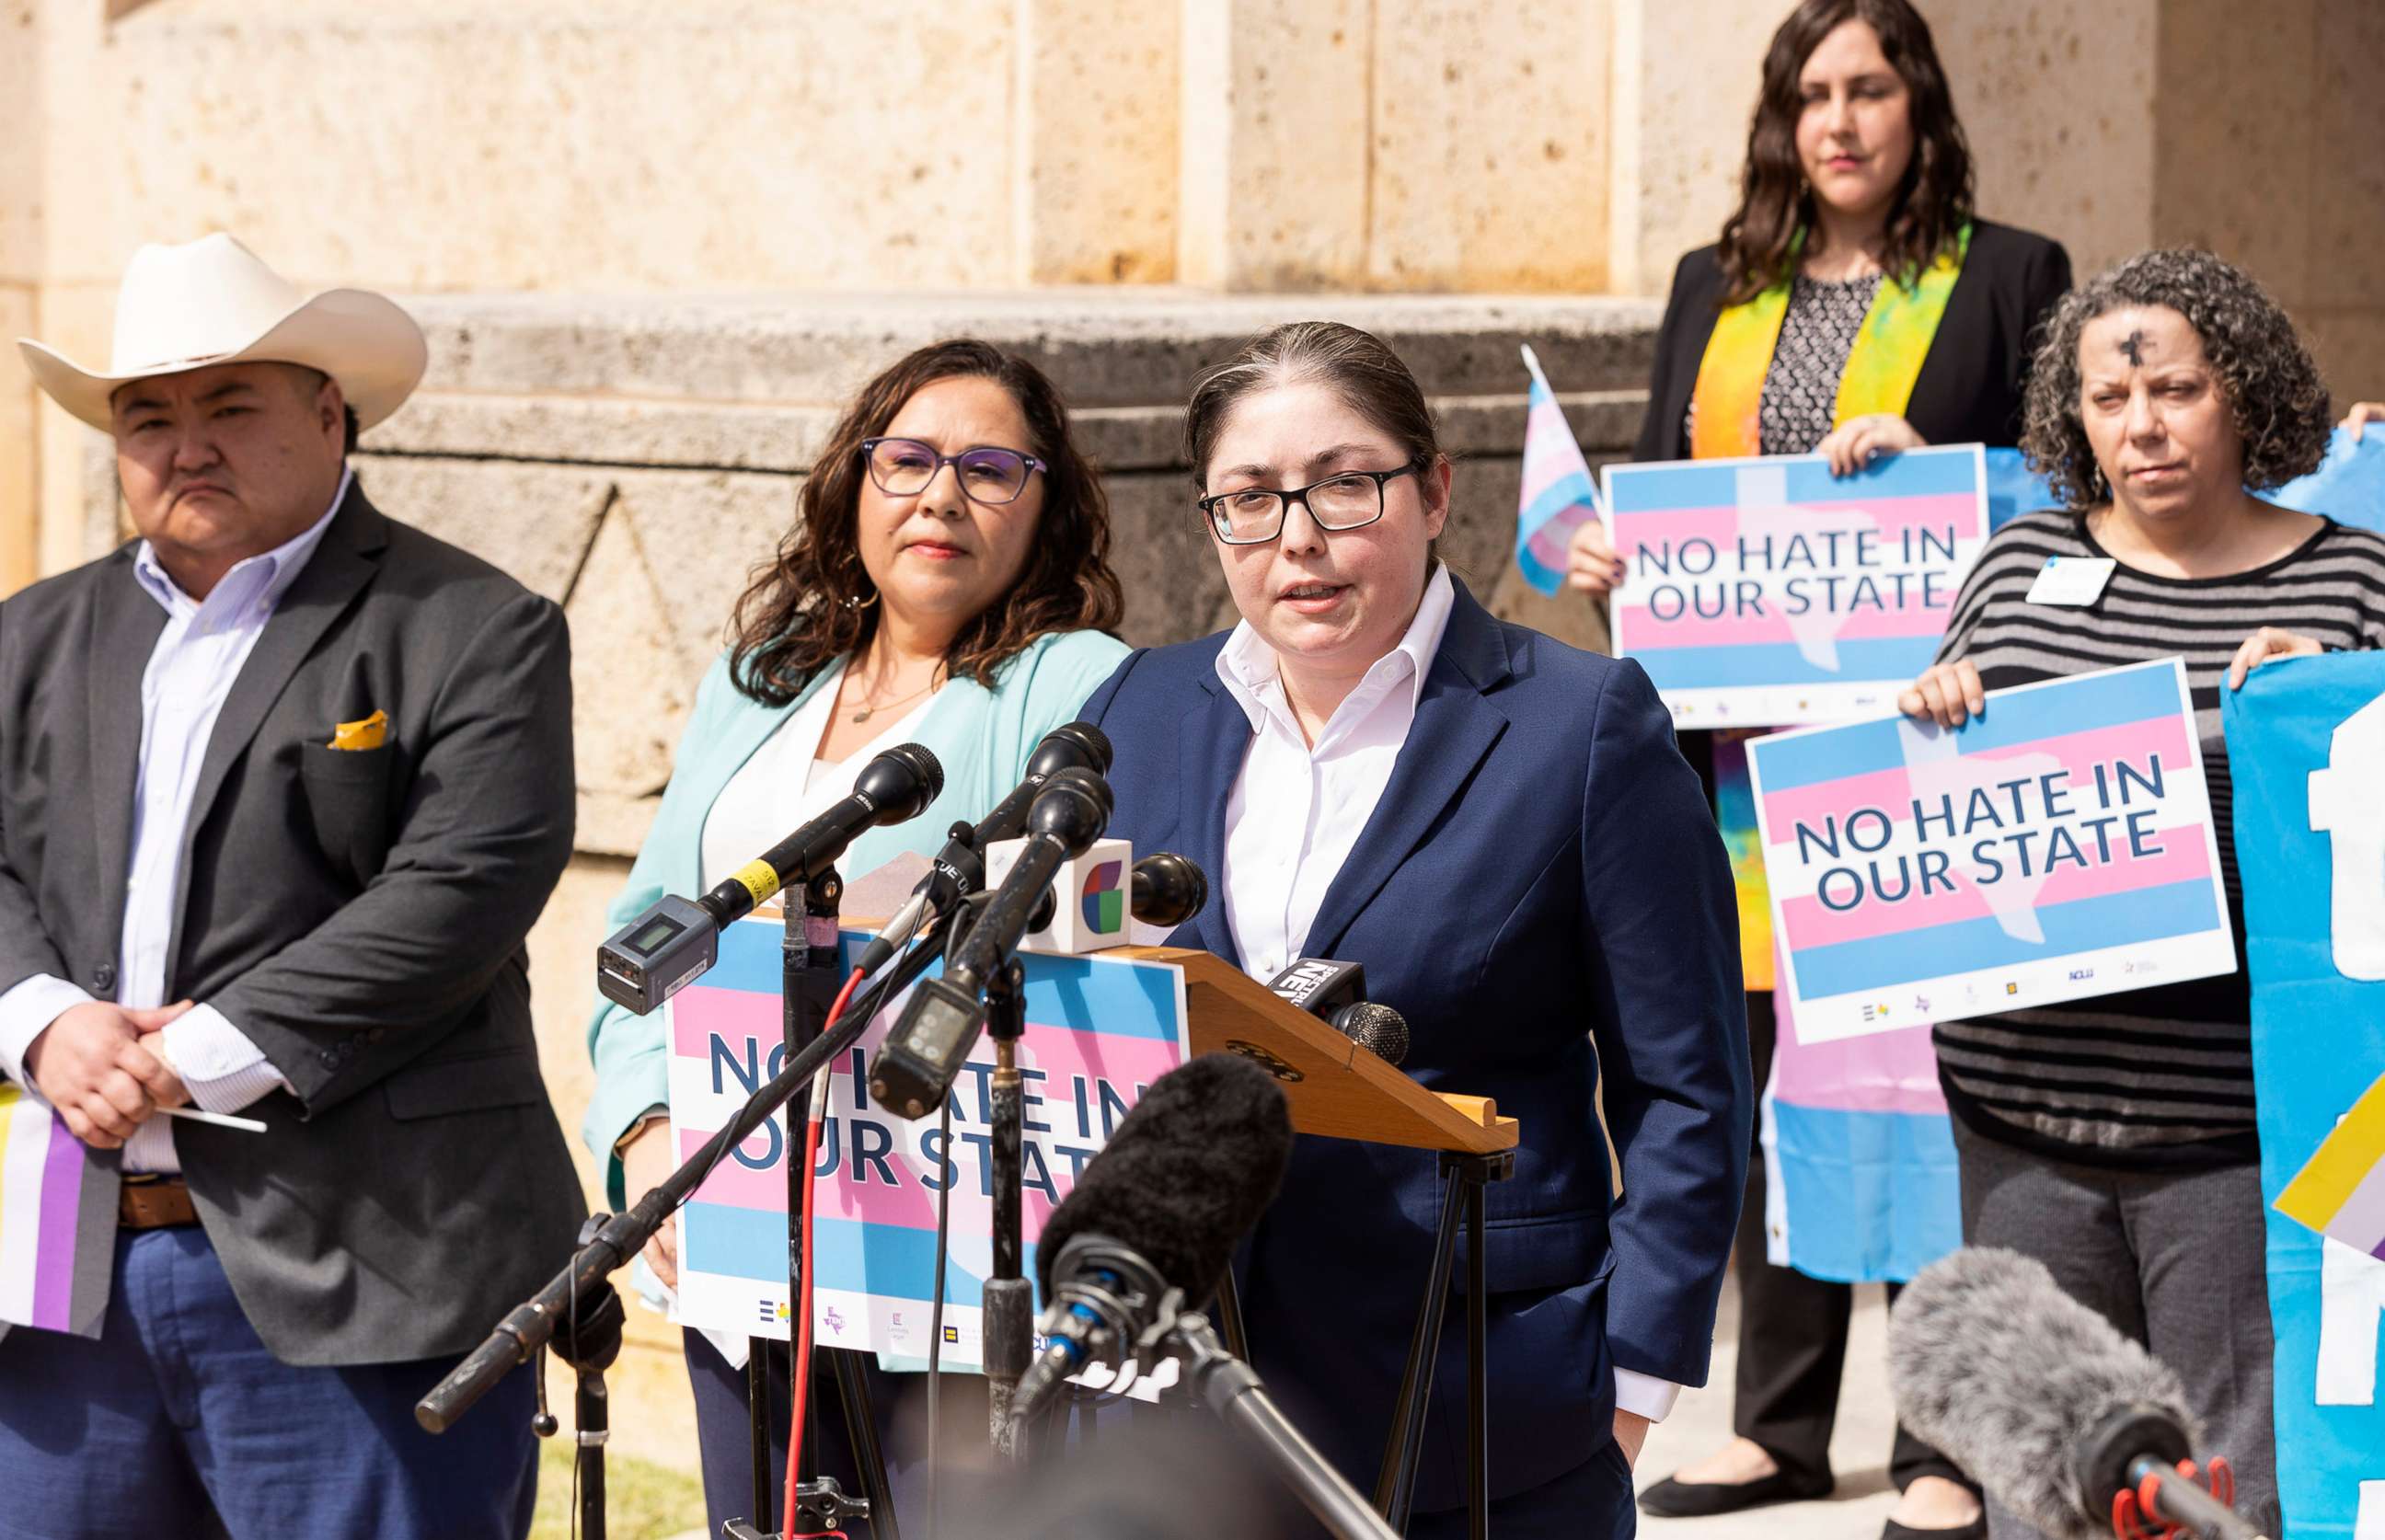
2174	1260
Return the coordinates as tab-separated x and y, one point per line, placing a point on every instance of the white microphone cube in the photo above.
1092	897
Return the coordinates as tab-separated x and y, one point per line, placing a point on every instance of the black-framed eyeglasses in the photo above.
902	467
1347	499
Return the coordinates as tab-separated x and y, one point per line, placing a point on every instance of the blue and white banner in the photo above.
2307	740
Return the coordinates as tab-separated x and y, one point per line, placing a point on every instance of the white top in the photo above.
1297	809
191	670
784	784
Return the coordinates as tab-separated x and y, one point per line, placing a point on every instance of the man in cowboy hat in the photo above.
284	783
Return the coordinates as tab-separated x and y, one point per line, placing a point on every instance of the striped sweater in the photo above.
2158	1077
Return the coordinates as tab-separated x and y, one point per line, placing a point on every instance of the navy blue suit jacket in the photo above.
1542	894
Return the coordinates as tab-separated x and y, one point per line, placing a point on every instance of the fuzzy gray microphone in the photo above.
2027	1390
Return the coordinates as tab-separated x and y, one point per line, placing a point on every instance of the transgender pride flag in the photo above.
1558	496
2057	847
58	1221
1099	1030
1860	1183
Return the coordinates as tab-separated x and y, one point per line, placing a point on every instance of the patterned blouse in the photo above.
1801	389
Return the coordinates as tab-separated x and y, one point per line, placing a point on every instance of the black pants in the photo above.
1792	1335
898	1402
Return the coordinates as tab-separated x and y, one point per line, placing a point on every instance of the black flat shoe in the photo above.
1975	1530
1702	1499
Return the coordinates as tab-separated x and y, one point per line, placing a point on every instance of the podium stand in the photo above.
1341	1090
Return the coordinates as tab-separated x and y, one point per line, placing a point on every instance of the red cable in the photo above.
799	1367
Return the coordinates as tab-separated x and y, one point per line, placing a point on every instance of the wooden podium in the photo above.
1338	1089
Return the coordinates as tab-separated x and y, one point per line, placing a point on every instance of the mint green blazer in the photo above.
982	739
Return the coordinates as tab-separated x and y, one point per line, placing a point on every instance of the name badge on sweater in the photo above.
2074	582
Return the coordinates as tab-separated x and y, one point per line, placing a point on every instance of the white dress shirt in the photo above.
1297	809
191	670
784	784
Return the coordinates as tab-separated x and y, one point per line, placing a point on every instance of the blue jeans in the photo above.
177	1421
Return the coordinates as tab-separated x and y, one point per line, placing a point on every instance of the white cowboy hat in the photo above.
213	302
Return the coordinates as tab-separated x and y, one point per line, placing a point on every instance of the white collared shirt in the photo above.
1297	809
191	668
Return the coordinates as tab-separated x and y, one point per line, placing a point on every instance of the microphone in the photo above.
2044	1402
1184	1177
1336	994
1168	890
915	1065
674	941
959	867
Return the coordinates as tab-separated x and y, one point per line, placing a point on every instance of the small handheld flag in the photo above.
1558	495
58	1221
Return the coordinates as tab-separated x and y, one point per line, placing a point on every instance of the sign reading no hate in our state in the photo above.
1766	592
2057	847
1099	1031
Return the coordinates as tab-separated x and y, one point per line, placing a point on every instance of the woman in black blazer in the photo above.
1855	307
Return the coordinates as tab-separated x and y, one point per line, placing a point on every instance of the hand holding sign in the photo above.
1949	694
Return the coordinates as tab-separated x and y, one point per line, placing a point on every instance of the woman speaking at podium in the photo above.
947	583
1499	827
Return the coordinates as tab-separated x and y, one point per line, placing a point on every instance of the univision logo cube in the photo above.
1104	905
1089	896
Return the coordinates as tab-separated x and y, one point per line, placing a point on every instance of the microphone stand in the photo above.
534	1323
1009	1315
807	984
1227	1385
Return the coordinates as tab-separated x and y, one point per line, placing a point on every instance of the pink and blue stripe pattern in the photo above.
1695	534
1558	496
2082	727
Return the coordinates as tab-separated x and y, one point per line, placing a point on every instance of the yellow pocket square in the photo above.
371	733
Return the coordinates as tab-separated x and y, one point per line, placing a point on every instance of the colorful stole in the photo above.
1880	372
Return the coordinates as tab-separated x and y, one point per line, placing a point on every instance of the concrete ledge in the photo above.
633	459
1106	347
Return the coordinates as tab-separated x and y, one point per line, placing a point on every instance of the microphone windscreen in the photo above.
1376	1028
1992	1363
1184	1176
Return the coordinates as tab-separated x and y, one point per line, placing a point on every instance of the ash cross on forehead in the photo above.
2132	348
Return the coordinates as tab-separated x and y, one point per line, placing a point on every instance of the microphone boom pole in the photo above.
531	1323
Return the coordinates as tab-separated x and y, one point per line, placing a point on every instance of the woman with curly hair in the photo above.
947	582
1855	306
2113	1139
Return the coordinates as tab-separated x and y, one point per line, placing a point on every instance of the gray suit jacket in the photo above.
358	913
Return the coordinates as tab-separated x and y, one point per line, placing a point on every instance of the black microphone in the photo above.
651	958
1168	890
959	868
1336	994
917	1063
2042	1400
1184	1178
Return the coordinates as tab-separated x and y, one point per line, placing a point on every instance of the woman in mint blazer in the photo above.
948	584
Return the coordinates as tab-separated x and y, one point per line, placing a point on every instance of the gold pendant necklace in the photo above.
865	712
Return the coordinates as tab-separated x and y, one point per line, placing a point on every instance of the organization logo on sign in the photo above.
1104	901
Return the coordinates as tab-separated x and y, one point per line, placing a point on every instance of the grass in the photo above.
643	1500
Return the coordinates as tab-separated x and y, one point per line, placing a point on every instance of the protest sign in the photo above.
2306	745
1099	1030
1766	591
2056	846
